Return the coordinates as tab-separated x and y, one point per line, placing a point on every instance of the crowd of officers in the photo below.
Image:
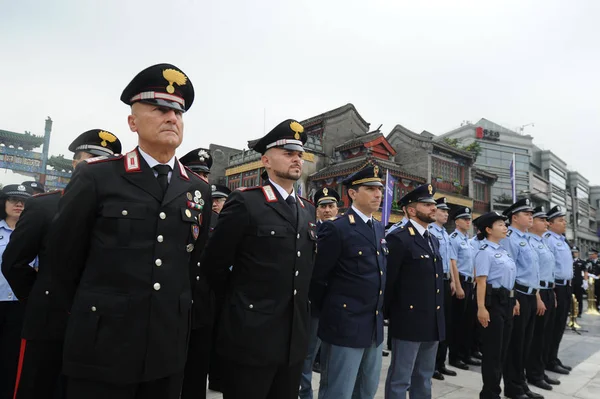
141	279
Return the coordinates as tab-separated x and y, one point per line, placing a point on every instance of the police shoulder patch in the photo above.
547	235
508	233
454	234
483	246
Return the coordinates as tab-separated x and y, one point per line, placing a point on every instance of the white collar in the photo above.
284	194
153	162
419	228
364	217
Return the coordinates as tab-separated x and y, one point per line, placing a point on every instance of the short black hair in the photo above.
3	214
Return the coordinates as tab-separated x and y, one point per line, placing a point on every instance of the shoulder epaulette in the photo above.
547	235
103	158
508	233
242	189
61	192
269	194
454	234
483	246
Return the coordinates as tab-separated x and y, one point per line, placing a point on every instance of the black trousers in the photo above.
216	380
520	343
463	322
495	340
164	388
442	351
197	364
536	361
596	293
563	304
11	323
40	364
578	291
252	382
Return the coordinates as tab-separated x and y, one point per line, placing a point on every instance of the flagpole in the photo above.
513	178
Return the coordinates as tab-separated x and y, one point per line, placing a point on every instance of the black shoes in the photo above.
447	371
477	355
517	396
557	369
459	364
438	376
551	381
533	395
568	368
472	361
541	384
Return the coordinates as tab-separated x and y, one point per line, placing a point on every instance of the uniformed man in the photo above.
268	234
201	345
580	274
12	201
520	217
446	250
414	299
563	274
463	302
496	306
347	289
215	367
44	326
326	201
536	361
199	161
594	272
36	187
126	231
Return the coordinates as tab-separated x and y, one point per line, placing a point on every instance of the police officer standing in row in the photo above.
463	302
446	250
347	289
414	299
520	216
199	161
126	231
268	234
580	274
563	275
496	272
326	200
36	187
45	322
594	272
536	361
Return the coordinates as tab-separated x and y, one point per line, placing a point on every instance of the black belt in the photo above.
562	282
546	284
446	276
505	292
525	289
466	279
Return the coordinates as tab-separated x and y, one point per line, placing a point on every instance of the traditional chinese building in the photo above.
449	169
369	149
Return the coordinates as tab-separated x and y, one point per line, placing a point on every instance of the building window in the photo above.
557	178
479	190
448	171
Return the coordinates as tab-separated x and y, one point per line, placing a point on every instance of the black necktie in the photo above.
291	201
427	237
163	176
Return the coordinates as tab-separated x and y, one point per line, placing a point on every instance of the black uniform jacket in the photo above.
121	254
44	317
414	294
264	319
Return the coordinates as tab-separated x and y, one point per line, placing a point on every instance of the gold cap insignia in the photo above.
325	191
376	171
297	128
174	76
430	189
106	136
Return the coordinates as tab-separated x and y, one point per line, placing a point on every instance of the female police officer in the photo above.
495	272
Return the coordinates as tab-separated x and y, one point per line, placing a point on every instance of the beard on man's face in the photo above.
287	175
425	218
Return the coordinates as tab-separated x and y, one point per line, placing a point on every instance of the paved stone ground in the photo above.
580	351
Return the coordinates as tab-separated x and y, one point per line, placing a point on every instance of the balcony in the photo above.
450	187
481	206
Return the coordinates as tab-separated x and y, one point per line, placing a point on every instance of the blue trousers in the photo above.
349	373
314	342
412	367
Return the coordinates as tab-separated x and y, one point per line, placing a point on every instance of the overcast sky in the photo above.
427	65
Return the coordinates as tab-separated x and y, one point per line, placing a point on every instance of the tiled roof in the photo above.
352	165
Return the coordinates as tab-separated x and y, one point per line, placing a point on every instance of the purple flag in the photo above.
388	198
